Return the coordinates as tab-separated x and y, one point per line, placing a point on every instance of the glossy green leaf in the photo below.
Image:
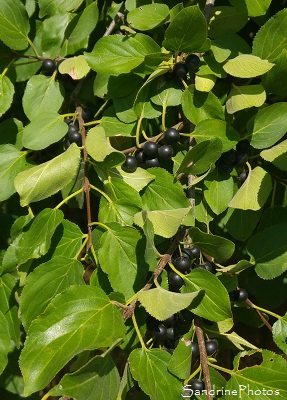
226	19
198	106
215	303
211	128
52	7
149	367
170	302
77	67
12	161
100	375
229	45
99	148
42	93
53	33
126	268
247	66
5	344
81	318
270	259
15	128
205	83
218	191
6	94
277	155
9	307
241	97
118	54
36	241
268	125
137	180
215	246
113	126
148	16
14	24
46	128
200	157
187	32
254	8
272	216
143	107
254	192
241	223
167	96
150	255
274	81
44	283
279	332
43	180
268	375
179	364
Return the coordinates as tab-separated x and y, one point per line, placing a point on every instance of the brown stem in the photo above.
264	320
111	27
203	356
128	312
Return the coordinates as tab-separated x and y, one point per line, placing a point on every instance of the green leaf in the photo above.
114	127
165	222
200	157
46	179
198	106
14	24
254	8
15	128
274	81
215	304
118	54
76	67
143	107
215	246
179	364
150	255
167	96
126	268
83	24
241	223
36	241
187	32
272	216
137	180
269	375
99	148
247	66
211	128
279	332
42	94
241	97
81	318
52	7
100	375
148	16
5	344
6	93
170	302
218	190
229	45
226	19
9	307
53	34
273	31
205	83
268	126
46	128
254	192
149	367
277	155
270	259
45	282
12	161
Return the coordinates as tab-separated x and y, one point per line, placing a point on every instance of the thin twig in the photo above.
263	319
208	9
111	27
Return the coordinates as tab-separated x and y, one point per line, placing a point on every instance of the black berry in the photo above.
243	145
72	129
153	162
75	137
140	156
196	385
192	62
211	346
169	321
48	67
150	149
87	114
242	176
240	295
209	267
165	152
195	251
225	167
130	164
194	349
171	136
175	281
229	157
170	333
182	264
180	70
185	317
187	253
241	158
160	332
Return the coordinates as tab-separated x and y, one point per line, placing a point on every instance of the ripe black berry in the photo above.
229	157
195	251
130	164
192	62
241	158
75	137
160	332
243	145
171	136
150	149
240	295
87	114
209	267
211	346
185	317
225	167
165	152
180	70
198	266
140	156
175	281
194	349
170	333
169	321
48	67
196	385
242	176
182	264
153	162
187	253
72	129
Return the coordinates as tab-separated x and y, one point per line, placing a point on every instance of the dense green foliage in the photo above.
143	159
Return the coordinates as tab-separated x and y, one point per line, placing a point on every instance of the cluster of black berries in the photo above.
235	157
73	135
152	153
184	263
182	68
